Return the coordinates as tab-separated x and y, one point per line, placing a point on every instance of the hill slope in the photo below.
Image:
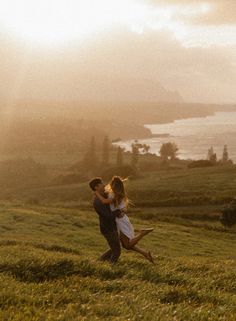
49	270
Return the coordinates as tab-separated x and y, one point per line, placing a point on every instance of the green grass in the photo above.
183	187
49	268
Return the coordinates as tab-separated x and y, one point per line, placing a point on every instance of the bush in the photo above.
200	163
228	217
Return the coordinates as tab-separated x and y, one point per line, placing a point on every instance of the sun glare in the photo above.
59	21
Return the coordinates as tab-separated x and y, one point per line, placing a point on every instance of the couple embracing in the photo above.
110	202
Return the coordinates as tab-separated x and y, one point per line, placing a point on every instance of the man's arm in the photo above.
103	199
105	211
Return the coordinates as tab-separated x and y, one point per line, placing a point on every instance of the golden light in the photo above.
59	21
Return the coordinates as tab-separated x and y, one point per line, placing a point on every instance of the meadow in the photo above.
174	187
50	243
49	270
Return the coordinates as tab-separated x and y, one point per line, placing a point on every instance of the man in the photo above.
107	222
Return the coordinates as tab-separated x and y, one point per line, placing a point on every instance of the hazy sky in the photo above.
120	50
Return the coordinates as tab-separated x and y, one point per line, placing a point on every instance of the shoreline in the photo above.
184	134
172	120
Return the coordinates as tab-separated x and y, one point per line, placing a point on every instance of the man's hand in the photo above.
119	213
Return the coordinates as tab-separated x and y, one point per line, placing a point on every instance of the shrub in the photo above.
228	216
200	163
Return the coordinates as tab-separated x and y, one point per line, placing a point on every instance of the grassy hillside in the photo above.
178	187
49	268
50	242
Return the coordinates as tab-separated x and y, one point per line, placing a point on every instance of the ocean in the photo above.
194	136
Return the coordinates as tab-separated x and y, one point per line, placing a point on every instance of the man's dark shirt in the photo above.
106	216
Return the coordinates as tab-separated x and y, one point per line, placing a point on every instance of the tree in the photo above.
106	150
90	156
168	151
119	158
135	154
211	155
213	158
136	148
225	156
145	148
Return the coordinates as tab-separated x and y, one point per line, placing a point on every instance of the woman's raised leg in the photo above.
137	238
126	243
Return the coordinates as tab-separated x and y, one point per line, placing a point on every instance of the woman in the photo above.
117	199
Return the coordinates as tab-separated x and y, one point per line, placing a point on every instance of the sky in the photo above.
140	50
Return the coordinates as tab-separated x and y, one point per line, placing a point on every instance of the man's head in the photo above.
96	184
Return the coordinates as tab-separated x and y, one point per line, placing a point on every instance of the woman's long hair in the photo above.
117	187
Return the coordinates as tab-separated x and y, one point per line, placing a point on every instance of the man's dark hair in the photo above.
94	182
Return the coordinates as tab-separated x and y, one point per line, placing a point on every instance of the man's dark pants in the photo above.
113	241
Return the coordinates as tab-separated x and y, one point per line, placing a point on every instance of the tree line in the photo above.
168	152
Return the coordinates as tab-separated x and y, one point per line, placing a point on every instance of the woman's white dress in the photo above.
123	223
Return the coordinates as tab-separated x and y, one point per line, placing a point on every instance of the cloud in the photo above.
198	73
121	66
220	11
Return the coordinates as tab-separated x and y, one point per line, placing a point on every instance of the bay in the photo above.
194	136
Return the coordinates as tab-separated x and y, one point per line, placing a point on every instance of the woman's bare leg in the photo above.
137	238
125	241
140	250
146	254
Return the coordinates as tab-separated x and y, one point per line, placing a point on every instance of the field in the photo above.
50	243
49	268
176	187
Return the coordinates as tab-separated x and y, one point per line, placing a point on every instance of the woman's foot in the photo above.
145	231
149	257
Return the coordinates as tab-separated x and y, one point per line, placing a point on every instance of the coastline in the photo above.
194	136
164	119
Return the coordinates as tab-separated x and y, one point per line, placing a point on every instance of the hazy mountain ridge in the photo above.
29	126
140	112
130	90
